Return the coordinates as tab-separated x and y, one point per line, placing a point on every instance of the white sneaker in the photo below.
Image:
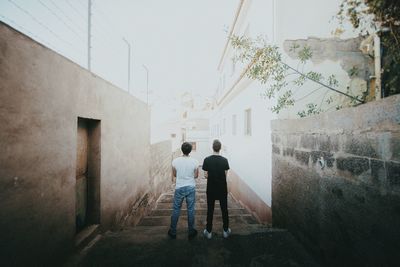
227	233
207	234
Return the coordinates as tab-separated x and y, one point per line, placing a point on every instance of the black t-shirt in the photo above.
216	166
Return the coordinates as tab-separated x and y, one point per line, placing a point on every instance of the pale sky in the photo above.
180	41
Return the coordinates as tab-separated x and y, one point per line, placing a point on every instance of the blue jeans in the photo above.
188	192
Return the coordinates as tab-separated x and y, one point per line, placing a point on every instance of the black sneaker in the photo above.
192	234
171	235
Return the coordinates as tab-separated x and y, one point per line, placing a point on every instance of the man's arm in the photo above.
226	169
173	174
206	174
196	172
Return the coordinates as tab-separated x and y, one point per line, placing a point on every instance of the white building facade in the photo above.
241	118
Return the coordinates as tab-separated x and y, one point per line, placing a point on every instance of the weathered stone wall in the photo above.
160	181
42	94
349	211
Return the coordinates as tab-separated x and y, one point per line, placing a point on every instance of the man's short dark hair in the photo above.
186	148
216	145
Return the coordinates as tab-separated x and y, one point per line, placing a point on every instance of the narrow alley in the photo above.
147	244
301	99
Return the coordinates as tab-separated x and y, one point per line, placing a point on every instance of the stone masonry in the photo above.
336	183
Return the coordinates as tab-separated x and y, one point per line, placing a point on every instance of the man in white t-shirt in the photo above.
185	169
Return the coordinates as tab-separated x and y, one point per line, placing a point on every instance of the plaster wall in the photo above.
249	155
311	23
42	94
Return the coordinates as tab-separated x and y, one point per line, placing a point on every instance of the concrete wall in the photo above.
159	182
42	95
349	211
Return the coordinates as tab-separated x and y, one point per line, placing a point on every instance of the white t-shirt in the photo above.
185	167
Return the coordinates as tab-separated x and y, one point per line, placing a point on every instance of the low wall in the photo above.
42	95
347	212
248	198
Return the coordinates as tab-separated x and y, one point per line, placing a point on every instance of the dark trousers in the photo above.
223	202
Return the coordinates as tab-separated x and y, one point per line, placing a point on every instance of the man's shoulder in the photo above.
175	160
216	157
195	161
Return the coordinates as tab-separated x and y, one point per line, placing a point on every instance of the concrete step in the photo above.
169	198
84	237
198	205
217	211
241	220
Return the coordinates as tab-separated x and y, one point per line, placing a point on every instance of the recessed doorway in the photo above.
87	188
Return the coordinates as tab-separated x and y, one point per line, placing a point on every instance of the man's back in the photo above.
185	170
216	166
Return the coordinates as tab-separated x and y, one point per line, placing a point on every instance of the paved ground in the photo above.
251	244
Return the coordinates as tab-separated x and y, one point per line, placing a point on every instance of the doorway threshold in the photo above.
86	235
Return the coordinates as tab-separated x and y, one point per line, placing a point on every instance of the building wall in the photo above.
331	55
159	182
348	212
42	95
249	155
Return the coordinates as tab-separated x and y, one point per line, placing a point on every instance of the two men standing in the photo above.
185	169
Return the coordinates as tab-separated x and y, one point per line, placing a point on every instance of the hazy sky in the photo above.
180	41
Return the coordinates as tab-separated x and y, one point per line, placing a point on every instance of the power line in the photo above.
109	23
301	98
60	19
67	17
76	11
25	30
320	83
44	26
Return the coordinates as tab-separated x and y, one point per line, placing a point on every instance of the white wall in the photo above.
249	156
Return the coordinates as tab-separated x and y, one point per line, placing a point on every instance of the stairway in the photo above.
240	220
147	244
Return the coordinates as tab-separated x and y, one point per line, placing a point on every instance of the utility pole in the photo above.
89	34
378	67
129	63
147	82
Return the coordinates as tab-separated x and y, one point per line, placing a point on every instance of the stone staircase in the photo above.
147	244
241	221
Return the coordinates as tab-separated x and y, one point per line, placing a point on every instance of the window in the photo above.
234	124
247	122
193	146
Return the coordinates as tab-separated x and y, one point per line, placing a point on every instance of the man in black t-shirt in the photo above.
215	170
